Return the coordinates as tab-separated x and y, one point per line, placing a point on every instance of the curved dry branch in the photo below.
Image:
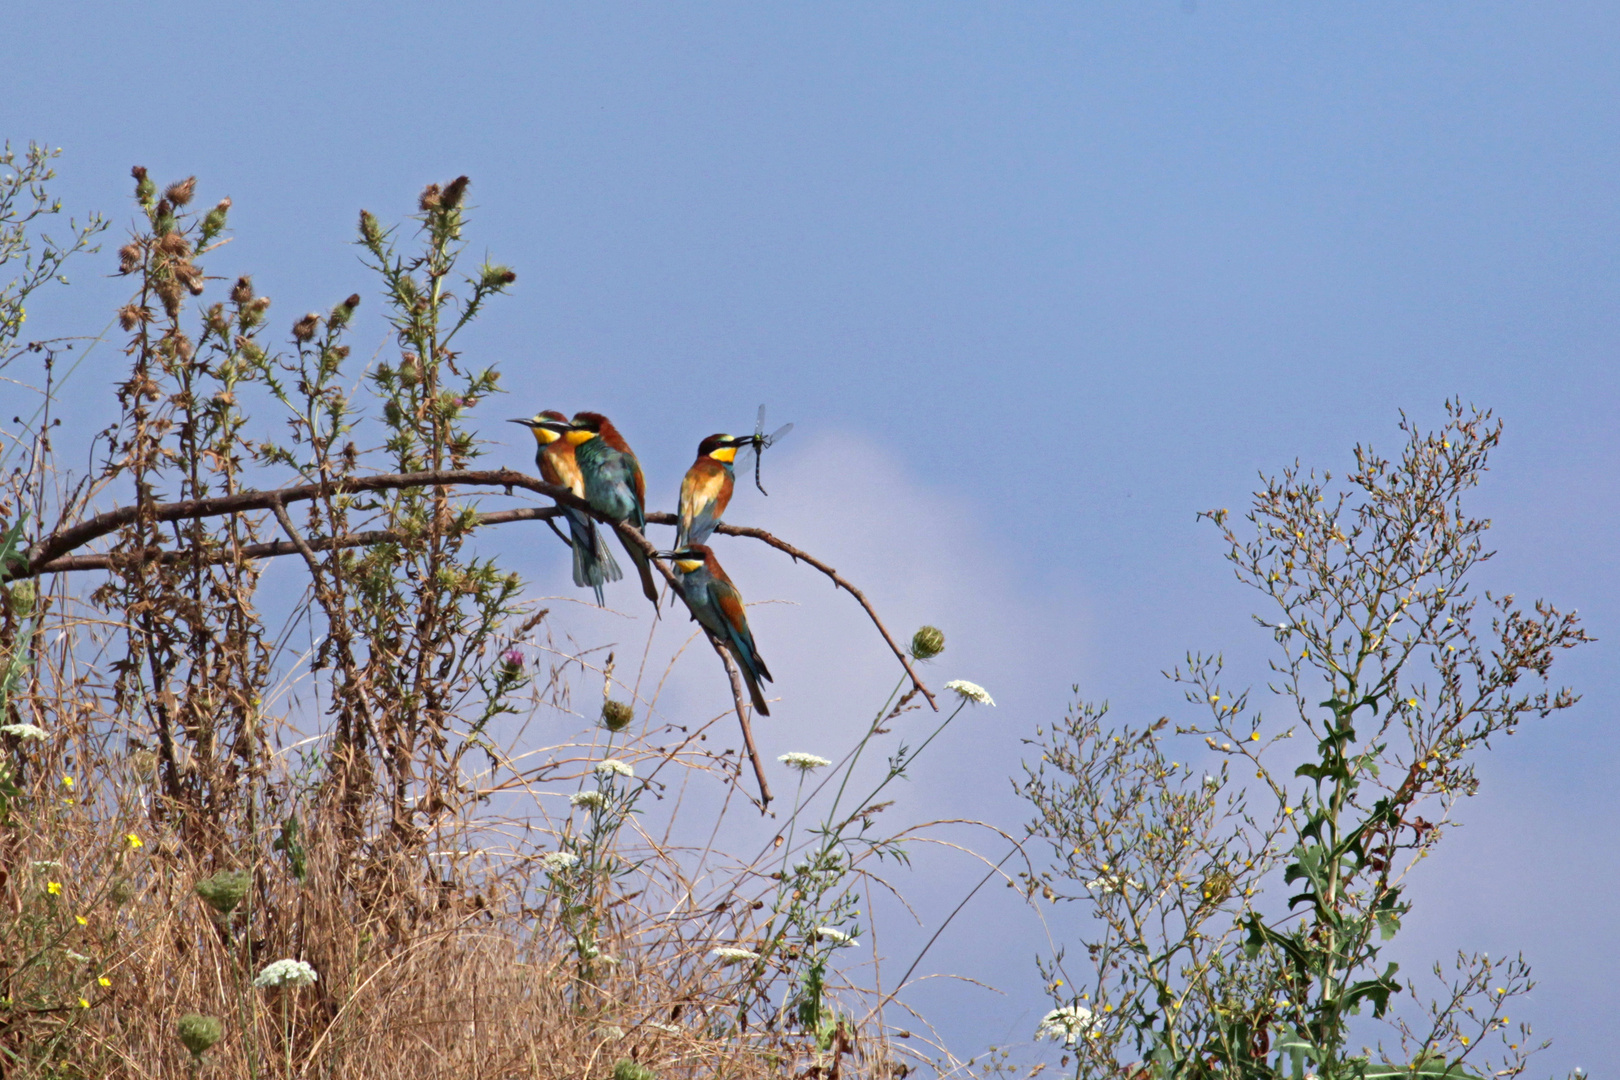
52	554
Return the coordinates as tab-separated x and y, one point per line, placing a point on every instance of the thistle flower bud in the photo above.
430	198
453	191
163	218
371	233
242	291
181	191
129	317
129	258
214	220
225	890
198	1033
927	643
497	277
144	187
20	597
175	245
616	715
340	314
625	1069
305	328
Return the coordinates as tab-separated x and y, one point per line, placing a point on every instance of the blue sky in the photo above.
1048	276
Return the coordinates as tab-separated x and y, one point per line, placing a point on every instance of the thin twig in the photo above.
837	579
742	718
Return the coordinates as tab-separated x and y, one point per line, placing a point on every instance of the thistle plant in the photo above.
1398	673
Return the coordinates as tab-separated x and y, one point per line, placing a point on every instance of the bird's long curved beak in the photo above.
524	420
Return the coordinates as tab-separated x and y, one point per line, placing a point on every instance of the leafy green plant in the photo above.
1400	674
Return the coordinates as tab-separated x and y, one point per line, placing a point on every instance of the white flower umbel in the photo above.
729	955
592	800
1113	883
837	937
970	691
802	761
1065	1024
25	732
614	767
558	861
285	973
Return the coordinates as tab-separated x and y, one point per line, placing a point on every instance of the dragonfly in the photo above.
756	445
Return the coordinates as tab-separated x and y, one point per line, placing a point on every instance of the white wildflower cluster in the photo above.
592	800
25	732
558	861
1065	1024
970	691
834	935
730	955
802	761
285	973
1113	883
614	767
46	864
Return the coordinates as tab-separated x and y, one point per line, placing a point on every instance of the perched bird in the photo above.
593	560
614	485
706	490
716	604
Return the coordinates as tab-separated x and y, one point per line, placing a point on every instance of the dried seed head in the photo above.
129	258
242	291
129	317
181	191
175	245
431	197
616	715
260	304
453	192
305	328
352	302
182	346
190	276
169	291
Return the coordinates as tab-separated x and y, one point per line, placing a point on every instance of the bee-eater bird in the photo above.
706	490
614	485
593	561
718	606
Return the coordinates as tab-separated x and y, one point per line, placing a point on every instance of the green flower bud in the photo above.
497	277
214	221
225	890
20	597
616	715
625	1069
198	1033
927	643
